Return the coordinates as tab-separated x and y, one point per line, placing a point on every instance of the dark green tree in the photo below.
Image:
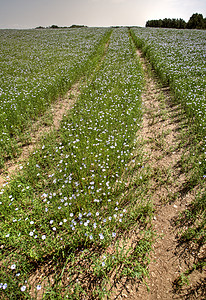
196	21
167	23
204	23
54	26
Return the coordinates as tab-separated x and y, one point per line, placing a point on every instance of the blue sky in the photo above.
32	13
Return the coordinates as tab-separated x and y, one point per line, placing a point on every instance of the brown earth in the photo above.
44	125
48	122
160	135
163	124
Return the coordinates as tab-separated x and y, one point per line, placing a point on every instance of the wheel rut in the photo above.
46	123
39	129
161	133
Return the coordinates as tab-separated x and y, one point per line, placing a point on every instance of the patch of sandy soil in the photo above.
39	129
161	131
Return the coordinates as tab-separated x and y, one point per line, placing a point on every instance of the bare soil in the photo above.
46	123
160	135
163	124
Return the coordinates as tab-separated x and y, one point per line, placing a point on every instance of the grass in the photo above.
67	202
76	219
186	82
42	66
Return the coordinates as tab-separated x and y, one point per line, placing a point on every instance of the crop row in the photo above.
179	58
37	67
67	196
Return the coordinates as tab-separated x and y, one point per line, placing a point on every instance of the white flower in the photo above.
38	287
43	237
101	236
13	267
4	286
23	288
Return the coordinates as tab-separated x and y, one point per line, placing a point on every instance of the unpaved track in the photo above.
39	129
161	131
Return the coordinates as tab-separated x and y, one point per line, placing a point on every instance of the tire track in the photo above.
161	133
41	128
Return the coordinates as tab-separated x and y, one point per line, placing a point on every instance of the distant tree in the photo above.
196	21
167	23
40	27
54	26
154	23
181	24
77	26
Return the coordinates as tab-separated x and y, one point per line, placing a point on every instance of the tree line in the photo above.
196	21
57	27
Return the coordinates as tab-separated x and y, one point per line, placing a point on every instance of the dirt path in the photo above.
162	132
40	128
44	125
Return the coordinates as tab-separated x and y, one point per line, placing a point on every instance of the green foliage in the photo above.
196	21
66	201
168	50
167	23
36	68
177	57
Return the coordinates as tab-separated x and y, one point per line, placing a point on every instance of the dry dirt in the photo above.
39	129
161	131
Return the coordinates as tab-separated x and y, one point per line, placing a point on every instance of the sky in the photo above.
32	13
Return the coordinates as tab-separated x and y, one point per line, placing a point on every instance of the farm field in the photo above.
81	216
36	68
178	57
